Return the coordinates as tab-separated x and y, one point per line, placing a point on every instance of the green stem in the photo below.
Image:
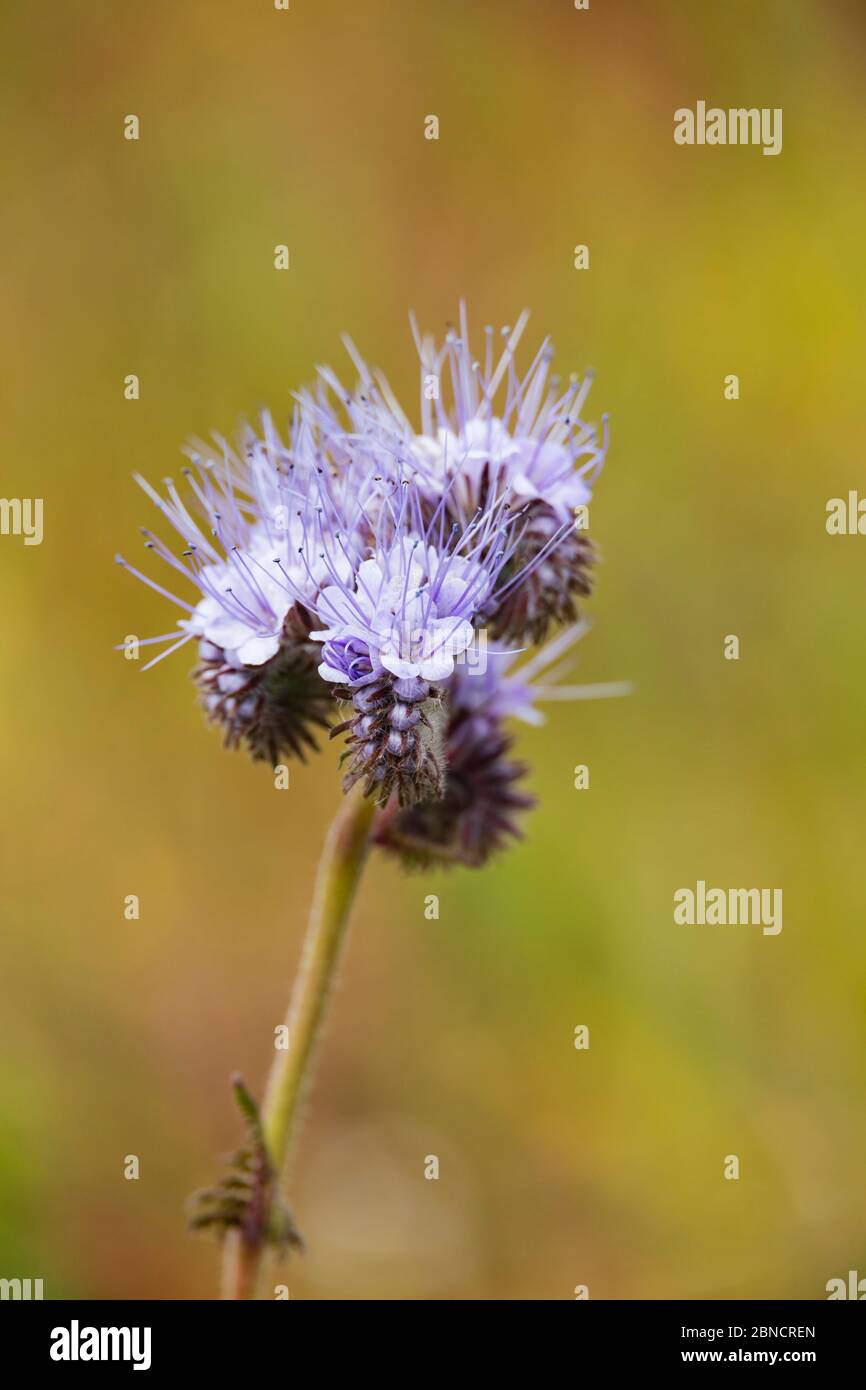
339	873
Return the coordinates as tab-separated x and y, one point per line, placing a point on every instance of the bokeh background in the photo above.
451	1037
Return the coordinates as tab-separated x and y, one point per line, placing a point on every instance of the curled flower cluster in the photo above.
399	569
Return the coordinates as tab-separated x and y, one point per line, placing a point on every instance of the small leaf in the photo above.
247	1198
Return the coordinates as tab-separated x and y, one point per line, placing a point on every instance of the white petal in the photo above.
436	668
255	651
403	670
330	673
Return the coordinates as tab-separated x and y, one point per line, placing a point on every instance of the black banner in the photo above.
163	1337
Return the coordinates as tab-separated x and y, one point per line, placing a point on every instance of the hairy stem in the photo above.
339	873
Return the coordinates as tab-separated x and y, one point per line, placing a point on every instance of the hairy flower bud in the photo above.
273	708
551	568
395	743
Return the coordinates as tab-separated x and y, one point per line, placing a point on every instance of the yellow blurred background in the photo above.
452	1037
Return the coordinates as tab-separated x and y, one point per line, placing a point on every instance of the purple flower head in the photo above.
409	614
369	559
265	528
478	421
484	430
252	557
397	625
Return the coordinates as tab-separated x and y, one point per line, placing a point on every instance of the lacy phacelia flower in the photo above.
393	637
248	553
485	431
479	810
364	560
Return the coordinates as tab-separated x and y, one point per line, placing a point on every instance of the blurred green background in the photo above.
452	1037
